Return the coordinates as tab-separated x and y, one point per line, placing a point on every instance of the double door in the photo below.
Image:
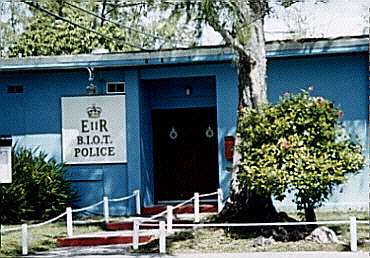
185	152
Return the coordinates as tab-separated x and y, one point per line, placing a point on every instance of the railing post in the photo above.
353	233
196	208
106	209
169	219
219	200
24	239
137	200
135	236
69	222
162	237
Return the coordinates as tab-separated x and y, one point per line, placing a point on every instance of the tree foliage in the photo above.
296	145
13	18
118	26
172	23
45	36
38	190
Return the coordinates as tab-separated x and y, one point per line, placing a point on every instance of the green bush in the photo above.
38	190
296	145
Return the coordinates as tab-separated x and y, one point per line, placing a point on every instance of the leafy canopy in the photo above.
298	144
45	35
172	23
125	26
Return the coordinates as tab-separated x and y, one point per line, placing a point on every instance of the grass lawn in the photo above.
40	238
216	240
201	240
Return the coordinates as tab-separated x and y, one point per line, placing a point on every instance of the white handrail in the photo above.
69	221
165	211
196	208
362	222
353	233
122	198
100	202
183	203
338	222
5	230
162	237
207	194
87	207
154	216
204	225
24	239
175	207
48	221
352	222
84	222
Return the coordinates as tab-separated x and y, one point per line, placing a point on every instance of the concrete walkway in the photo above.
120	251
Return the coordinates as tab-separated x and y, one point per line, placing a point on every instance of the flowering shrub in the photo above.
298	144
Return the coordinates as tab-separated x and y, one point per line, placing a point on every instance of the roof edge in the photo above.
274	49
317	46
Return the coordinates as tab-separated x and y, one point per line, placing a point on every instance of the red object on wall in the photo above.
229	142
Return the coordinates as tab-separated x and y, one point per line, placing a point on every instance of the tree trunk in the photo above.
309	214
243	204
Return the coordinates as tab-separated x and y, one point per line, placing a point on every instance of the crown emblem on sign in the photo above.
94	111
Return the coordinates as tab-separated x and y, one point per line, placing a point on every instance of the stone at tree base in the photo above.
262	241
248	207
323	235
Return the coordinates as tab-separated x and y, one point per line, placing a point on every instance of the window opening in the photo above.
115	87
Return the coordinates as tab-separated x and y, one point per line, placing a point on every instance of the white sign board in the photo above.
5	165
94	129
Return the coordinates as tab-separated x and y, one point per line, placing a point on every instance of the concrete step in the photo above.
121	232
204	208
128	225
104	238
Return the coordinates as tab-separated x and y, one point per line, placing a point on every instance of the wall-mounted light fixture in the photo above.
188	90
91	88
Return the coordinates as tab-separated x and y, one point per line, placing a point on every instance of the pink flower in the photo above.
286	94
320	100
340	114
284	144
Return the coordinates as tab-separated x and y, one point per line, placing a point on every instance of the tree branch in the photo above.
102	14
215	23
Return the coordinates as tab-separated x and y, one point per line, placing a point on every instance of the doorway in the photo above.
185	152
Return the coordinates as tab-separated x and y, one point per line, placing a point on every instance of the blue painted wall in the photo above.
170	93
342	79
34	117
34	120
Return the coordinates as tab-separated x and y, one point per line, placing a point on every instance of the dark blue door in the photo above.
185	152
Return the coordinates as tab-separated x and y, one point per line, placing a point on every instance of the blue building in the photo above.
159	119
